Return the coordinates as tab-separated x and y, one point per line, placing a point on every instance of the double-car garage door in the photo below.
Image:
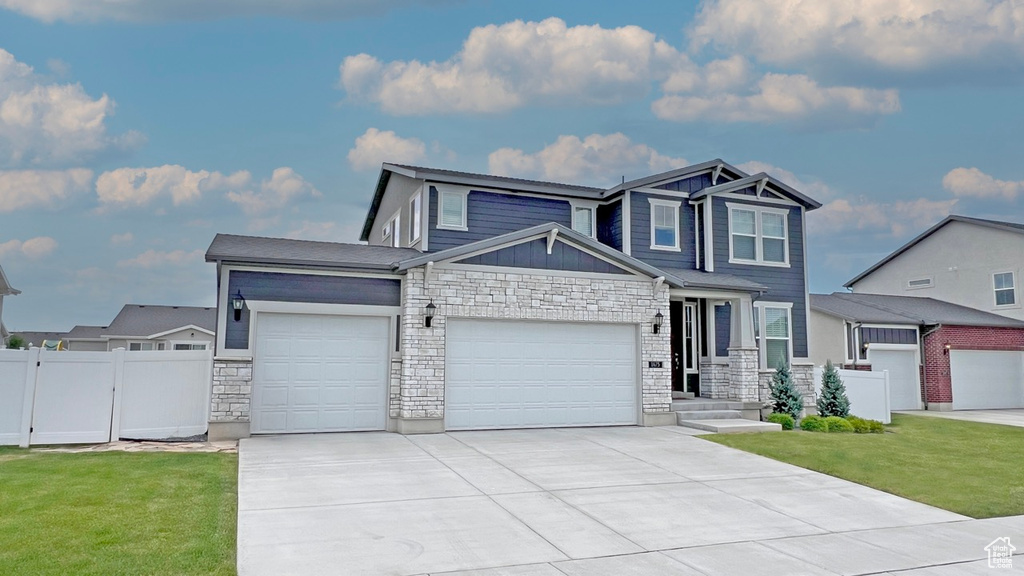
319	373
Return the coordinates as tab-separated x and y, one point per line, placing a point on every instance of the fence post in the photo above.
115	414
28	401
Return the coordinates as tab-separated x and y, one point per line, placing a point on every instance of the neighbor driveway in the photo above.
1007	417
592	501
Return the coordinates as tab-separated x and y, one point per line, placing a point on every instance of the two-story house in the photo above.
5	290
494	302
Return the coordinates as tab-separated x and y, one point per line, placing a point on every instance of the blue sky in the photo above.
132	132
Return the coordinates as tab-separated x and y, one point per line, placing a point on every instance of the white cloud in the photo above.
122	239
973	183
162	259
895	218
21	189
780	98
376	146
597	158
148	11
505	66
810	186
283	187
45	124
893	35
33	248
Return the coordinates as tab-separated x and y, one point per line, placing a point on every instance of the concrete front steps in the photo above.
721	416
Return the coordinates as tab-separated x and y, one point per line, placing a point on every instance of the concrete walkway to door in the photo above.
593	501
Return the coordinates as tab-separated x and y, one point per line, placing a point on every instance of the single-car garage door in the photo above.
319	373
904	376
521	374
987	379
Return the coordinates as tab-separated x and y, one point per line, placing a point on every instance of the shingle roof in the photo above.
145	320
455	176
701	279
253	249
37	338
885	309
996	224
82	332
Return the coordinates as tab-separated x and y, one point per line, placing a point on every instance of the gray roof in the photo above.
995	224
137	320
677	173
81	332
714	280
38	337
751	180
256	250
885	309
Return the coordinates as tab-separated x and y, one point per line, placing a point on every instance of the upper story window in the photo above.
452	212
664	224
415	218
1006	294
392	232
583	220
758	235
773	331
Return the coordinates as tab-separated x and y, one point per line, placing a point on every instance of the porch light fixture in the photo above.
658	319
428	314
945	348
237	301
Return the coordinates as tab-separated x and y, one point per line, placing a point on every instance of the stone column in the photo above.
743	356
230	399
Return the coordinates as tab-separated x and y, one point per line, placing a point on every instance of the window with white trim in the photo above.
452	210
664	224
385	231
583	220
190	346
758	235
415	218
145	346
1005	291
773	329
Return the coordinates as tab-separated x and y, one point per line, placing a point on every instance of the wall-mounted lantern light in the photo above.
428	314
659	318
945	348
237	302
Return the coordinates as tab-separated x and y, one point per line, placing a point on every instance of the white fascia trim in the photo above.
894	347
463	191
587	205
187	327
717	295
660	192
709	236
305	272
674	205
627	224
759	235
761	199
890	326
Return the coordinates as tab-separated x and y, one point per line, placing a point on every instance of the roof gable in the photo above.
762	184
994	224
535	254
5	287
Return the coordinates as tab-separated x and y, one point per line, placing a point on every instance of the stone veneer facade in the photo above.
230	398
803	379
459	292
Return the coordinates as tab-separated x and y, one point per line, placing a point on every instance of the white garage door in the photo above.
904	377
987	379
512	374
317	373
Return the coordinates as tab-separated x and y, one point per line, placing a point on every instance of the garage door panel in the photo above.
987	379
511	374
320	373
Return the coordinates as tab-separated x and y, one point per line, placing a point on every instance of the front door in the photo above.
685	347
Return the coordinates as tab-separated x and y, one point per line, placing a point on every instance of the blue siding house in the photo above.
480	301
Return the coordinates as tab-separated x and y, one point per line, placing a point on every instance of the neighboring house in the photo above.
37	338
967	261
494	302
5	290
145	327
940	355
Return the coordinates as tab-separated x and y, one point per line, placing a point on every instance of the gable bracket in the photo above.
657	283
716	174
760	186
551	239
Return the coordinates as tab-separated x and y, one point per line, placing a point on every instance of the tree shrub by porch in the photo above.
785	420
785	398
833	400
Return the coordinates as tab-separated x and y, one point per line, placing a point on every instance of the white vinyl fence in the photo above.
51	397
868	392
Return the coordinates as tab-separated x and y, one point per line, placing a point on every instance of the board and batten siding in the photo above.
784	284
534	254
609	224
640	230
888	335
691	184
490	214
311	288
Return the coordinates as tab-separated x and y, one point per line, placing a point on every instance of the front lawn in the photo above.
116	513
965	467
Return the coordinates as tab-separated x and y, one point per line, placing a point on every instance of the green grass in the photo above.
965	467
117	513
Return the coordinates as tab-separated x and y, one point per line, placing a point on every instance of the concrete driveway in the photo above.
595	501
1006	417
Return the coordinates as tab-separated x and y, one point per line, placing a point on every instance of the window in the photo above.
390	234
1005	293
772	323
192	346
851	343
664	225
140	346
385	232
453	210
415	215
583	220
758	235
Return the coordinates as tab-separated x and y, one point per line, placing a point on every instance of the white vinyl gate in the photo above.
904	376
